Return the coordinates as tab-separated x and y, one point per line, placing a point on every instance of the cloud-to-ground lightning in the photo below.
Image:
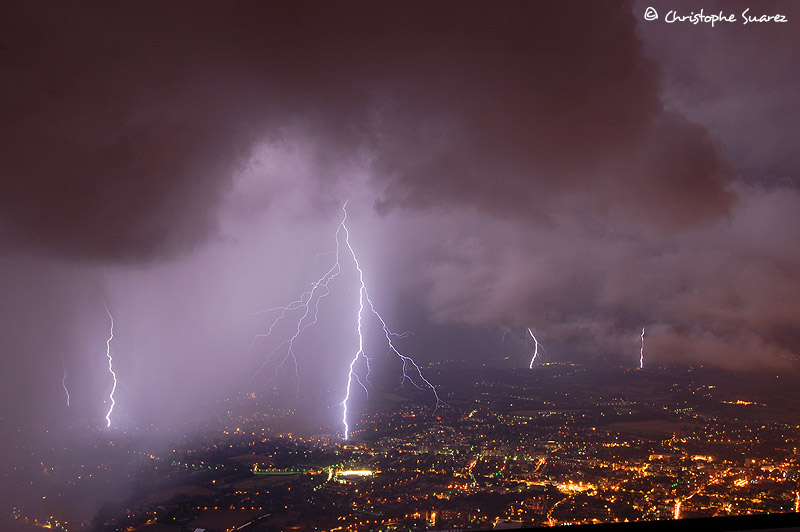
536	348
308	306
641	352
64	384
364	296
110	369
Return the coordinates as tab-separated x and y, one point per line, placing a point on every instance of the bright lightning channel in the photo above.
110	369
641	352
364	296
308	304
64	384
536	348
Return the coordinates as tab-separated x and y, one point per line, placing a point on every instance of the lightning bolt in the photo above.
408	362
641	352
536	348
308	306
308	303
64	384
110	369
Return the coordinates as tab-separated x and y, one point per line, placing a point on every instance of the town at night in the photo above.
510	450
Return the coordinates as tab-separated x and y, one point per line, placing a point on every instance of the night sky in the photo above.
564	166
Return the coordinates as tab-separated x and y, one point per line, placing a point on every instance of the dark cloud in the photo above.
114	142
739	81
123	126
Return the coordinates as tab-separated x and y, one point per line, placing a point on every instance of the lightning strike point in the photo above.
110	369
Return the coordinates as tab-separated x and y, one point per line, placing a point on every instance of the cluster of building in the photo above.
509	451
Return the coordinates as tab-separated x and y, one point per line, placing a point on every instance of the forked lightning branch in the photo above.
305	310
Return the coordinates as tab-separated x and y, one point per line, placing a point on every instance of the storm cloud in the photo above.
123	127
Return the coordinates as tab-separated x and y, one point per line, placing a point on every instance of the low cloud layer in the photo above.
723	293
